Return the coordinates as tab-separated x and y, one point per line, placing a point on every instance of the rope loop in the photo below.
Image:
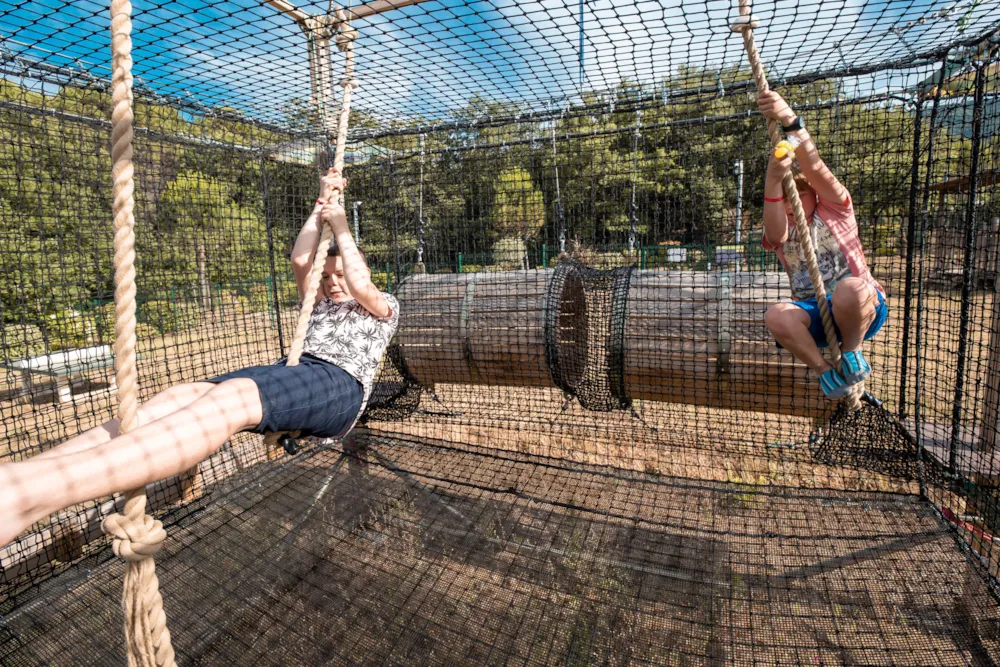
346	37
744	22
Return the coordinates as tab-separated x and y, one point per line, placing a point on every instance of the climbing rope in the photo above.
633	207
419	267
136	535
321	82
745	24
345	43
560	215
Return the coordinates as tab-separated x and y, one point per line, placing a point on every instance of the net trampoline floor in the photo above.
412	552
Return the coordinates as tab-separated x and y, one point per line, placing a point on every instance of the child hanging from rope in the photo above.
857	301
322	396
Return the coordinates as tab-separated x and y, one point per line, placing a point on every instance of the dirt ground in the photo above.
414	552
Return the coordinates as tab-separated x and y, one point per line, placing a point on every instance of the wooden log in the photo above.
699	338
506	328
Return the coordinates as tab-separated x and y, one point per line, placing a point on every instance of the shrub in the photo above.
380	280
472	268
69	329
104	317
509	253
168	317
259	298
143	331
886	251
288	293
230	302
19	341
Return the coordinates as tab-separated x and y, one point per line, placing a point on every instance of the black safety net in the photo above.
583	445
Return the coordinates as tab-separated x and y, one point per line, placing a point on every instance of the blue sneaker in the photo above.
855	367
833	385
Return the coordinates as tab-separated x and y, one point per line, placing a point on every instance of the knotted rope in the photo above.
345	43
745	24
137	536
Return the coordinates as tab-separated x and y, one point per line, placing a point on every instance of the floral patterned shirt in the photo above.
348	336
837	246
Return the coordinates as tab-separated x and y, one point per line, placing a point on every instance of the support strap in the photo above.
724	296
345	43
137	536
465	324
318	34
745	25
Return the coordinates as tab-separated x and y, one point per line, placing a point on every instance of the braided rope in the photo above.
345	43
745	25
137	536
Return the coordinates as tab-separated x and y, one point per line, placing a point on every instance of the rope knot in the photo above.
346	35
346	32
135	541
744	22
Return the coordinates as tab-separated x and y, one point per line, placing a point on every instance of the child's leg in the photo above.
31	490
789	325
167	401
854	303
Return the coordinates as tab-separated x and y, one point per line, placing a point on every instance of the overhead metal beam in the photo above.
378	7
359	12
290	9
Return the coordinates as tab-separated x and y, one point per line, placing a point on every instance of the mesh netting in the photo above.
415	551
583	446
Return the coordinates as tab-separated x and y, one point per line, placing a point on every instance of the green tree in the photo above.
205	236
518	206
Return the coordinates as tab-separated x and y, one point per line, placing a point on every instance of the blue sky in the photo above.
428	59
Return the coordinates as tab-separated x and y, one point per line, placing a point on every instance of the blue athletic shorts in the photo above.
811	306
315	397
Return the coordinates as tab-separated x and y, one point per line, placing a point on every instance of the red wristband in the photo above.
774	200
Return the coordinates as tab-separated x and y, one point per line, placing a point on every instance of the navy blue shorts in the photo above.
811	306
315	397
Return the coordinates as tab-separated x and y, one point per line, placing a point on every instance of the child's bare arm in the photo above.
820	177
775	220
822	180
304	250
356	271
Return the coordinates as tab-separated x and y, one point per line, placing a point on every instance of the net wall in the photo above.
583	446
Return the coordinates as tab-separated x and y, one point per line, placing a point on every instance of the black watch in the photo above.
797	124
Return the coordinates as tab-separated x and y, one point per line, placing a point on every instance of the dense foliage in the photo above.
219	198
